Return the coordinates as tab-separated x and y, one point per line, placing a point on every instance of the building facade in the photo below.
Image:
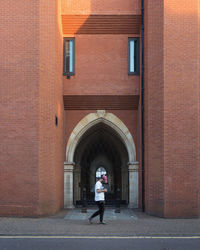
90	86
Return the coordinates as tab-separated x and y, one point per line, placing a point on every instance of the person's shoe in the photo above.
103	223
90	220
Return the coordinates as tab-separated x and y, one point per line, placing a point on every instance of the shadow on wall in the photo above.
101	24
101	17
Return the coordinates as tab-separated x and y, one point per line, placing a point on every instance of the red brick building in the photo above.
83	88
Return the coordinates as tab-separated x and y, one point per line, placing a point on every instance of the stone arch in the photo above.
91	120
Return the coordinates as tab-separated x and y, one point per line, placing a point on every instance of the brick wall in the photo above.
51	150
31	94
101	67
31	151
154	106
181	108
101	59
171	108
19	55
82	7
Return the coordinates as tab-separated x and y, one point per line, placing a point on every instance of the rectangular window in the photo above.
133	56
68	60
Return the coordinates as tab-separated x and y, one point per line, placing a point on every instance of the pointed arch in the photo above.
90	120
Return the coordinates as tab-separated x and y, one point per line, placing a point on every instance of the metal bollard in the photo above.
84	202
117	202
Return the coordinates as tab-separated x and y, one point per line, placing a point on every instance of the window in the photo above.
100	171
133	56
68	60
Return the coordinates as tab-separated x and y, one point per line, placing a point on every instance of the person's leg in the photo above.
95	213
101	209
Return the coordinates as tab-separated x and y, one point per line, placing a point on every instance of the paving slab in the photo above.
109	214
74	223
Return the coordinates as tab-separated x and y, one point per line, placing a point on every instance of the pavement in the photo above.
128	223
109	215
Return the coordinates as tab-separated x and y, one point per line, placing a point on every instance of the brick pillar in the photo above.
171	108
154	106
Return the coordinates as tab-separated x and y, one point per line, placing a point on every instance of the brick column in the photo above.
171	100
133	184
68	185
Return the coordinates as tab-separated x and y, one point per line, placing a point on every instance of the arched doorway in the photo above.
100	140
100	148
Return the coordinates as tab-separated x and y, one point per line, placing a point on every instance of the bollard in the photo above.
117	201
84	208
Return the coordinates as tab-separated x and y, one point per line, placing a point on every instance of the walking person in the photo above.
99	199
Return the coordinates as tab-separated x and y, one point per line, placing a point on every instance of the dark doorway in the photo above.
101	149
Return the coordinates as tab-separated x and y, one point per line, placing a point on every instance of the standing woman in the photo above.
99	199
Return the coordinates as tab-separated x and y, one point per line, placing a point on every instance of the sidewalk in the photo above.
138	224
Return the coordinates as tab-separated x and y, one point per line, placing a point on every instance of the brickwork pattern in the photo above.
32	150
181	108
97	7
19	57
95	102
154	106
171	108
51	151
101	61
32	154
101	67
101	24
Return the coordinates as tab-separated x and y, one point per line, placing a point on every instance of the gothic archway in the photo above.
125	136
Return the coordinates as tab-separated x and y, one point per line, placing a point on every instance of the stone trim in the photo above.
133	168
68	184
91	120
68	167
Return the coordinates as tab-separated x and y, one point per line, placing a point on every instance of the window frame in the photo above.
137	56
65	73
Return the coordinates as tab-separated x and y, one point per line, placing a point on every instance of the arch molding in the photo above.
90	120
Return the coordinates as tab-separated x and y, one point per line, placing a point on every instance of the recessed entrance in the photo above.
100	151
100	142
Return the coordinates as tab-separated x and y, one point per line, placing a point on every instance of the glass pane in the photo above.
132	56
70	56
67	56
100	171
